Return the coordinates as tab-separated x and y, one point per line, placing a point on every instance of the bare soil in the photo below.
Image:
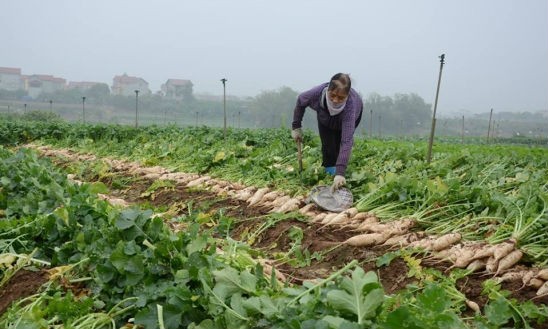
22	284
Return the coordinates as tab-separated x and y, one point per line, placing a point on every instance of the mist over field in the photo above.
496	51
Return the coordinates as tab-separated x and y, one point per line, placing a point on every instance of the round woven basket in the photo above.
336	201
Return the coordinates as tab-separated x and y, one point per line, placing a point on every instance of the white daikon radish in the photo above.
476	265
543	290
280	201
367	239
509	260
319	217
473	306
502	249
245	193
445	241
543	274
329	217
491	265
257	196
535	283
290	205
306	209
198	181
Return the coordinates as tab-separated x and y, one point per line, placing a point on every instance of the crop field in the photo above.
106	226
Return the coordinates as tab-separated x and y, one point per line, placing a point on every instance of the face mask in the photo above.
337	105
332	107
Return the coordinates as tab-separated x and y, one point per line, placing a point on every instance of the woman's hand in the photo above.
297	134
338	182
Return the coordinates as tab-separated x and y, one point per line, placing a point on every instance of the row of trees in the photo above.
394	115
400	114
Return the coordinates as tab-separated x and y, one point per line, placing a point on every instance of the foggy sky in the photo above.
496	50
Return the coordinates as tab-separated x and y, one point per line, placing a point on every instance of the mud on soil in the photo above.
23	284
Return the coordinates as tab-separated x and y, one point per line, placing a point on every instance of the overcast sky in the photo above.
496	50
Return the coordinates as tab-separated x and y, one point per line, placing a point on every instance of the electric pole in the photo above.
223	80
433	128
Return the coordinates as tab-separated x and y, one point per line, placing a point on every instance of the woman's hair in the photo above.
340	81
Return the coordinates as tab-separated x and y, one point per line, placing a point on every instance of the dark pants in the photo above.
331	143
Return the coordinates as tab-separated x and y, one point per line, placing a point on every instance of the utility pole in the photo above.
379	126
433	128
83	109
223	80
136	108
462	131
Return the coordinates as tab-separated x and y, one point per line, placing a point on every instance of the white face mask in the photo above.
332	107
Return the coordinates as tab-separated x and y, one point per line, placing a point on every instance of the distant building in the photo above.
177	89
83	85
37	84
126	85
10	78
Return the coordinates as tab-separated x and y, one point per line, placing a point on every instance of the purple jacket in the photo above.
344	121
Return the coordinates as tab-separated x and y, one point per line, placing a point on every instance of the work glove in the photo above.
338	182
297	134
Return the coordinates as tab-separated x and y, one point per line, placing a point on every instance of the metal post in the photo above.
223	80
489	125
136	108
83	109
238	119
433	128
25	111
462	131
50	106
196	118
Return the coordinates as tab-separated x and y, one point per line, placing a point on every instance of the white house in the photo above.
10	78
126	85
43	83
177	88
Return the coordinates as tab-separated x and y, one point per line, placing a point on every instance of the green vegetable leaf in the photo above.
362	295
263	305
206	324
386	259
126	219
230	281
98	187
434	299
340	323
401	318
498	312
